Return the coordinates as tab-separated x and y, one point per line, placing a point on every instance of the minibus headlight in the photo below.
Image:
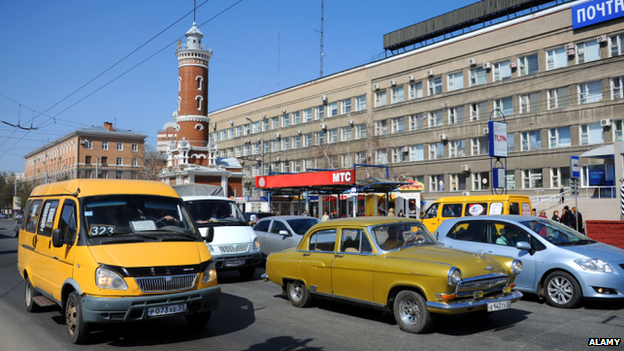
210	274
109	279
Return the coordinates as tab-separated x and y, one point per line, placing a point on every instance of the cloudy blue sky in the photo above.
71	64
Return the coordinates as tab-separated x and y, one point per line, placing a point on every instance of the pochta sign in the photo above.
498	139
343	177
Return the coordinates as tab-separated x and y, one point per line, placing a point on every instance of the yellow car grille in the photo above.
166	283
482	284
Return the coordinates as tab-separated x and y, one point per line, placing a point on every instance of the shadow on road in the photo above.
284	343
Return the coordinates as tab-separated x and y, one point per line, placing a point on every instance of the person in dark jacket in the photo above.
568	218
578	219
555	216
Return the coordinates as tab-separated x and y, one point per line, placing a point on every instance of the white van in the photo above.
234	244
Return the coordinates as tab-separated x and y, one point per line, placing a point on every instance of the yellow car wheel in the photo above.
410	312
298	294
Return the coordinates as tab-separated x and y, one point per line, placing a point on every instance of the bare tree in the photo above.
150	163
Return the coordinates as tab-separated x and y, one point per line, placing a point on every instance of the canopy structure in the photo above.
605	151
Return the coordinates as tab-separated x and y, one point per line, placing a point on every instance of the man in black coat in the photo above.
568	218
579	220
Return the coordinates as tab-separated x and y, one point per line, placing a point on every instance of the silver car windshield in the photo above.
401	235
215	211
556	233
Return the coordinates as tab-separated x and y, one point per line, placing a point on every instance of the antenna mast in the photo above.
278	60
322	30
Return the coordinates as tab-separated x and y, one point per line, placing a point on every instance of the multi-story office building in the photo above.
95	152
423	111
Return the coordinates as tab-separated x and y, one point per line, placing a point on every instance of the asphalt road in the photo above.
254	316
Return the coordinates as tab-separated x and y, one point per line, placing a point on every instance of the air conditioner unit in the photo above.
323	126
443	137
247	141
299	131
324	98
472	62
430	73
376	86
405	149
569	46
350	122
601	38
393	82
411	77
605	122
486	130
571	52
513	65
486	65
277	135
283	110
277	158
465	193
465	168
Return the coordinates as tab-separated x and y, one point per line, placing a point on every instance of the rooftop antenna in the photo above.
322	31
194	7
278	60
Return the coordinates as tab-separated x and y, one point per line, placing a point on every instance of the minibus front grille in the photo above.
167	283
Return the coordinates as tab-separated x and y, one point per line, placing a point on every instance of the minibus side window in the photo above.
47	217
26	210
432	211
33	216
514	208
451	210
67	223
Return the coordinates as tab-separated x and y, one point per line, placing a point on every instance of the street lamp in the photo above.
261	142
84	143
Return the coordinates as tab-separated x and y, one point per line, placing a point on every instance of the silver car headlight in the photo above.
108	279
594	265
454	276
210	273
255	245
210	248
516	267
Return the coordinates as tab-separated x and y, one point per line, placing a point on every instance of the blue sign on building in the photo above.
593	12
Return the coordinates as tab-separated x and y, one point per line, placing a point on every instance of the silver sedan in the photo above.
282	232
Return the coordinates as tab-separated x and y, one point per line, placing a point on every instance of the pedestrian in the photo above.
325	217
542	214
555	216
561	195
401	214
578	217
391	212
305	213
534	212
568	218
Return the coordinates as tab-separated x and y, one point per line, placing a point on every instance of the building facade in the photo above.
96	152
425	112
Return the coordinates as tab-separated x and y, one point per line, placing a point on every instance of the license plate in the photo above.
164	310
234	263
497	306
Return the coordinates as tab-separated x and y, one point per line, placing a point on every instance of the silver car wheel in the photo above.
409	312
560	290
296	291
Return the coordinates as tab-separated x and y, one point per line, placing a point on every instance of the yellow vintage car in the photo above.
392	264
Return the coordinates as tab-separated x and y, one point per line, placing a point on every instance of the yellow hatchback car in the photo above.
114	251
392	264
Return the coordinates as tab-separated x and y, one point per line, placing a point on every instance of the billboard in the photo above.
597	11
497	139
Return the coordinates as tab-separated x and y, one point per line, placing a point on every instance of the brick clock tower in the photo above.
191	156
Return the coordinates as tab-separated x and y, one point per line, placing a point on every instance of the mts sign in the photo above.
346	177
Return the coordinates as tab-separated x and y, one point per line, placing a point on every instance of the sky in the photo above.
72	64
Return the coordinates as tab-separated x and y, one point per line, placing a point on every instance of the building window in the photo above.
559	176
255	148
286	166
589	92
398	125
532	178
105	145
265	125
135	147
556	58
238	131
455	81
501	70
417	152
530	140
360	131
436	151
591	134
332	109
505	105
230	152
458	182
119	161
319	138
436	182
119	146
223	134
199	100
275	122
417	121
286	120
297	142
617	130
307	115
332	136
104	174
275	145
435	85
247	129
400	154
382	157
587	52
199	79
319	112
616	88
478	76
478	111
360	103
558	98
88	144
307	139
457	148
230	133
380	98
397	95
135	162
238	151
415	90
346	133
479	146
381	127
559	137
345	106
347	161
456	115
480	181
118	175
510	142
528	65
615	45
511	180
435	118
88	160
529	103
